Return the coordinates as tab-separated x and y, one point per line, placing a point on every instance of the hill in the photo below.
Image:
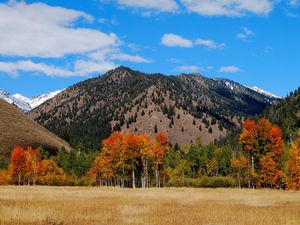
18	129
184	107
286	114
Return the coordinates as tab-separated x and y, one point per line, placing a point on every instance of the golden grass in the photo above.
90	205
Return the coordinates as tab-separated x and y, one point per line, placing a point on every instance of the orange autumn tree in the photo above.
146	157
124	157
264	144
5	177
101	170
52	174
248	142
18	162
160	148
33	165
272	163
240	166
110	163
293	166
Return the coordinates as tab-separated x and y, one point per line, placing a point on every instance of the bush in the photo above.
203	182
5	177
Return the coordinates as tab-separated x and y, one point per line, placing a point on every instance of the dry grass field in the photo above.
90	205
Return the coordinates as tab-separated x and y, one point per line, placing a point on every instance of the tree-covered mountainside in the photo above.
183	107
286	115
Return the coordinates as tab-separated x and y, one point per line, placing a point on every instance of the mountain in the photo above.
18	129
40	99
24	103
286	114
184	107
266	93
234	86
18	101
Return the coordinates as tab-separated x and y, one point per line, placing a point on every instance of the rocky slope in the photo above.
184	107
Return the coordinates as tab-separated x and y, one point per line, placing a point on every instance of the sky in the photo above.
50	45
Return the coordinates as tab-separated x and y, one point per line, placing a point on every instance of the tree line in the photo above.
261	160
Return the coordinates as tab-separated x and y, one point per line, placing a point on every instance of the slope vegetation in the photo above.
184	107
18	129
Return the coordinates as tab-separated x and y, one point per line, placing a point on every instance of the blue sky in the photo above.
50	45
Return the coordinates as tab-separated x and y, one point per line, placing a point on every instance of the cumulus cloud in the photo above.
81	68
229	69
174	40
245	34
210	44
229	7
159	5
13	68
40	30
129	58
84	67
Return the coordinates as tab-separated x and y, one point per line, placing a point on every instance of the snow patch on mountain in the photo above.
24	103
40	99
263	92
20	103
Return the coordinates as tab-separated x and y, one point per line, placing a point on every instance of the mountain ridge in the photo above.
24	103
184	106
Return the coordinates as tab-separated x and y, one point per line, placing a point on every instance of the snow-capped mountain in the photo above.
19	102
40	99
261	91
24	103
234	86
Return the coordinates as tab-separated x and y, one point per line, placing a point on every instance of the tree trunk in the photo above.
19	179
239	179
252	162
157	177
146	176
133	178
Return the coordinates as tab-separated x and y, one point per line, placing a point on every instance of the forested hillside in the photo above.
184	107
286	115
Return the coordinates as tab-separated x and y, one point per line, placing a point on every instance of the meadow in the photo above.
167	206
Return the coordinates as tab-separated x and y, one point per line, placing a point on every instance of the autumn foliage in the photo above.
293	166
123	157
263	144
263	160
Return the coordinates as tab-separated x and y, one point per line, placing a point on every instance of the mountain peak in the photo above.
24	103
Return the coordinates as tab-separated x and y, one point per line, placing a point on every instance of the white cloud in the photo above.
229	69
188	69
245	34
81	68
229	7
129	58
210	44
173	40
13	68
84	67
39	30
159	5
111	54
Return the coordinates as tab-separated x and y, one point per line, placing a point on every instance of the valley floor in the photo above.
168	206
